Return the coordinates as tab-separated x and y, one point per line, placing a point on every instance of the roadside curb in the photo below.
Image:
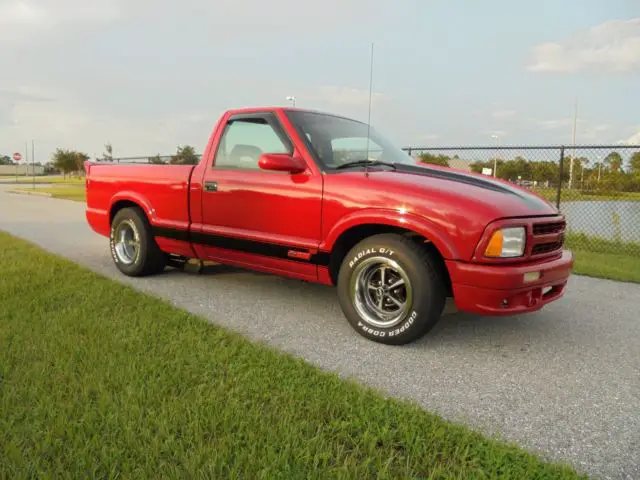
27	192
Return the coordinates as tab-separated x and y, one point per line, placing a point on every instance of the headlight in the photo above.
506	243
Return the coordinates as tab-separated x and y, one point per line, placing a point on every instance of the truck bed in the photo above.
167	185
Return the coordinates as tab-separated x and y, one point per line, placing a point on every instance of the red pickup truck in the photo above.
327	199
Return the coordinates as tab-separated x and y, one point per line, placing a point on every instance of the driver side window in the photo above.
243	141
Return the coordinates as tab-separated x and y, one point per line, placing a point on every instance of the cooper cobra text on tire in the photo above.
133	247
390	289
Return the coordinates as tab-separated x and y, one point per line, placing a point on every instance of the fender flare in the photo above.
394	218
136	198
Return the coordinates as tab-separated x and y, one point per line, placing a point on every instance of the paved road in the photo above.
564	382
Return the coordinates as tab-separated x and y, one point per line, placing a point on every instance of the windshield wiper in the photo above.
366	163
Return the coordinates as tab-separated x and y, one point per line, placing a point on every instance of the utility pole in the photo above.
495	160
573	153
33	165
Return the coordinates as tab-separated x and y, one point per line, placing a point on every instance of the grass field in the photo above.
620	267
601	258
98	380
67	192
28	180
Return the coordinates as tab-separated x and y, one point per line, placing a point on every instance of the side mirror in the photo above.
281	162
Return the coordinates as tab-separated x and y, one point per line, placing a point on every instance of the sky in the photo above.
148	76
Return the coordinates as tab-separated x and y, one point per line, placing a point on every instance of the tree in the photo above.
69	161
614	161
156	160
439	159
634	163
5	160
185	156
544	171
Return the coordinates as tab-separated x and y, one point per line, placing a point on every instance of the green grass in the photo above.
45	179
602	258
28	180
72	192
582	241
620	267
98	380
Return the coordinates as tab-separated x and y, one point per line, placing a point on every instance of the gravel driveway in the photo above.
564	382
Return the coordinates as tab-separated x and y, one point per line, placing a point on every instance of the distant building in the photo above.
21	169
460	164
457	163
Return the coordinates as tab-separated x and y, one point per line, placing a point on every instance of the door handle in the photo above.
211	186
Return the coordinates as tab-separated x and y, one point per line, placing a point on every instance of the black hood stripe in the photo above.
486	183
454	177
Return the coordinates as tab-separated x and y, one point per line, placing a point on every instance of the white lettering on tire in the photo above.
368	251
113	246
405	325
371	331
381	333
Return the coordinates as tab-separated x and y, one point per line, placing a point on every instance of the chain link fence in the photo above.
596	187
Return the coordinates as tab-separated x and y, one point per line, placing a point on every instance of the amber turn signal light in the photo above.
494	248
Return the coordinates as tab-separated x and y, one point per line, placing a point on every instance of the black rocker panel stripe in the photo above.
241	245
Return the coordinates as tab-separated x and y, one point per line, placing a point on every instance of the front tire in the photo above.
133	247
390	289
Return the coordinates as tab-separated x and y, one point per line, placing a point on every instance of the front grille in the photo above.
548	228
546	248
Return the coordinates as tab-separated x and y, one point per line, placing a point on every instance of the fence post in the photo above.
559	192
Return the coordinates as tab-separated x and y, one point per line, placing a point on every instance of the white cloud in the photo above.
25	93
429	137
19	14
11	99
499	133
612	46
554	123
24	19
634	139
55	119
502	113
348	97
285	16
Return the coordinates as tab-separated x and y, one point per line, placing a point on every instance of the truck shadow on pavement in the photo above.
510	335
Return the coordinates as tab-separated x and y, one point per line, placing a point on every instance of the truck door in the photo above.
262	219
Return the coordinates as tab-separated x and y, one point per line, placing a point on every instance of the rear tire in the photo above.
390	289
133	247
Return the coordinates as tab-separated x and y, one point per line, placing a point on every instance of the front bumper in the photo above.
503	290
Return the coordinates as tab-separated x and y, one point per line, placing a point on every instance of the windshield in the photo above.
336	140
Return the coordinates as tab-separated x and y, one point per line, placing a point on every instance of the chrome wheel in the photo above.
381	292
127	242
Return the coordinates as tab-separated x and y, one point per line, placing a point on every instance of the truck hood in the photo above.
498	198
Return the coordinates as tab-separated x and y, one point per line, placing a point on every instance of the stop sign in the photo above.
17	157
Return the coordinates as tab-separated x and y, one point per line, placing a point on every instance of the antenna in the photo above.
366	171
